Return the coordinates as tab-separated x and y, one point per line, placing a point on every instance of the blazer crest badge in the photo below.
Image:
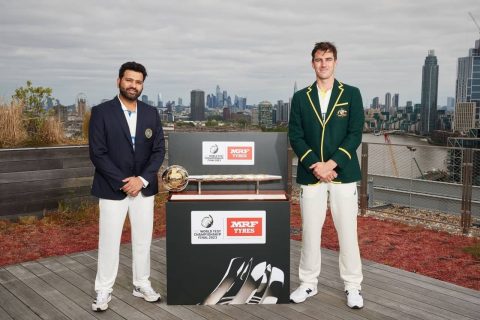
342	113
148	133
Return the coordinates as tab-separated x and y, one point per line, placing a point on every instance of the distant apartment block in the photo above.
464	119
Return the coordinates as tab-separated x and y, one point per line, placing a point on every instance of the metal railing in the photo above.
415	177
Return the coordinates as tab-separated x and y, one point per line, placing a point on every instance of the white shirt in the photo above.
131	117
324	99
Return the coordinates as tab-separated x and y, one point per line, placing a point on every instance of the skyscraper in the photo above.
450	102
219	95
468	82
388	101
282	111
376	103
159	101
224	99
265	114
429	94
395	101
197	105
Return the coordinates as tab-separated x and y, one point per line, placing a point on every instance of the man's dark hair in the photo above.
132	65
324	46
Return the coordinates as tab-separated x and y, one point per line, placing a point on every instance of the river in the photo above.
399	160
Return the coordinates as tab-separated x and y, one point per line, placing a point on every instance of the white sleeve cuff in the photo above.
145	182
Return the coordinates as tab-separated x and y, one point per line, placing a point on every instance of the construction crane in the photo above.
474	21
386	136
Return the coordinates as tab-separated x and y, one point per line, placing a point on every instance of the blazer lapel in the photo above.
140	121
119	113
337	92
312	95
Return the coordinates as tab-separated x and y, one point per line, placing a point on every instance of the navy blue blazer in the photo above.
112	153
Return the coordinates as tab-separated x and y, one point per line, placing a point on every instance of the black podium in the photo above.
229	245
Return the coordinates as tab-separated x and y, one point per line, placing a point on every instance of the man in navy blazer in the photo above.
127	148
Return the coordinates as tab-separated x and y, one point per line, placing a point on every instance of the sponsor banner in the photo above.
228	153
228	227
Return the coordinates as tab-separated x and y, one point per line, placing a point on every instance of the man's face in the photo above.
130	85
324	64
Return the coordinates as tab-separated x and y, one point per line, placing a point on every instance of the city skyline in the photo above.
256	52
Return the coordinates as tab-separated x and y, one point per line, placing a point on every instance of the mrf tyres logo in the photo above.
246	227
239	153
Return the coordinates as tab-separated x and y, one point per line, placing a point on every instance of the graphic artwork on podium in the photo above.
246	283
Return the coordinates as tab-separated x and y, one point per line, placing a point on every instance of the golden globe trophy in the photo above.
175	179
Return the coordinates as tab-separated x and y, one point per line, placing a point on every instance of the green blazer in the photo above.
337	137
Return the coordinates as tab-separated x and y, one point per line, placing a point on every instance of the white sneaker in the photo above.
354	299
101	303
302	293
147	293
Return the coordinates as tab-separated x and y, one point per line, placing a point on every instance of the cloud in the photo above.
251	48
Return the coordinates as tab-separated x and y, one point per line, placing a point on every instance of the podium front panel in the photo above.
228	252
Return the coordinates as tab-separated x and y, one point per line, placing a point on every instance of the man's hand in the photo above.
323	171
133	186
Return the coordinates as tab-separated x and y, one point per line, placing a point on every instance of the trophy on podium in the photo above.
175	178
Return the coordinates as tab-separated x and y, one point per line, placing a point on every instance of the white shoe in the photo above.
302	293
147	293
354	299
101	303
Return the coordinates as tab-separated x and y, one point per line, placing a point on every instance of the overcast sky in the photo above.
256	49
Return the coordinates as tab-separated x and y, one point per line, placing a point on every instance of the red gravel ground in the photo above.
435	254
431	253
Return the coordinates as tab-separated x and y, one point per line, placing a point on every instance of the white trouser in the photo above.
112	218
344	208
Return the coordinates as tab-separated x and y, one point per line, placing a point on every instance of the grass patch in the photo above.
473	250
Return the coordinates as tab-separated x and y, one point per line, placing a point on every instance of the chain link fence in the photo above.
422	182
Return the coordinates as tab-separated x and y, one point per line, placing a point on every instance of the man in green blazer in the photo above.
325	130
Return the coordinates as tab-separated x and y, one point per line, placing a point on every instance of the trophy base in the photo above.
228	195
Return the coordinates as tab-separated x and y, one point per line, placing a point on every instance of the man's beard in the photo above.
131	96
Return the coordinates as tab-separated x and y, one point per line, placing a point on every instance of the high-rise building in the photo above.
209	101
265	114
450	102
144	98
396	101
255	116
283	111
224	99
429	94
197	105
388	101
468	82
180	101
295	87
219	96
376	103
159	101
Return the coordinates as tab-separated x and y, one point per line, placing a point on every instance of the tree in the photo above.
40	129
33	99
